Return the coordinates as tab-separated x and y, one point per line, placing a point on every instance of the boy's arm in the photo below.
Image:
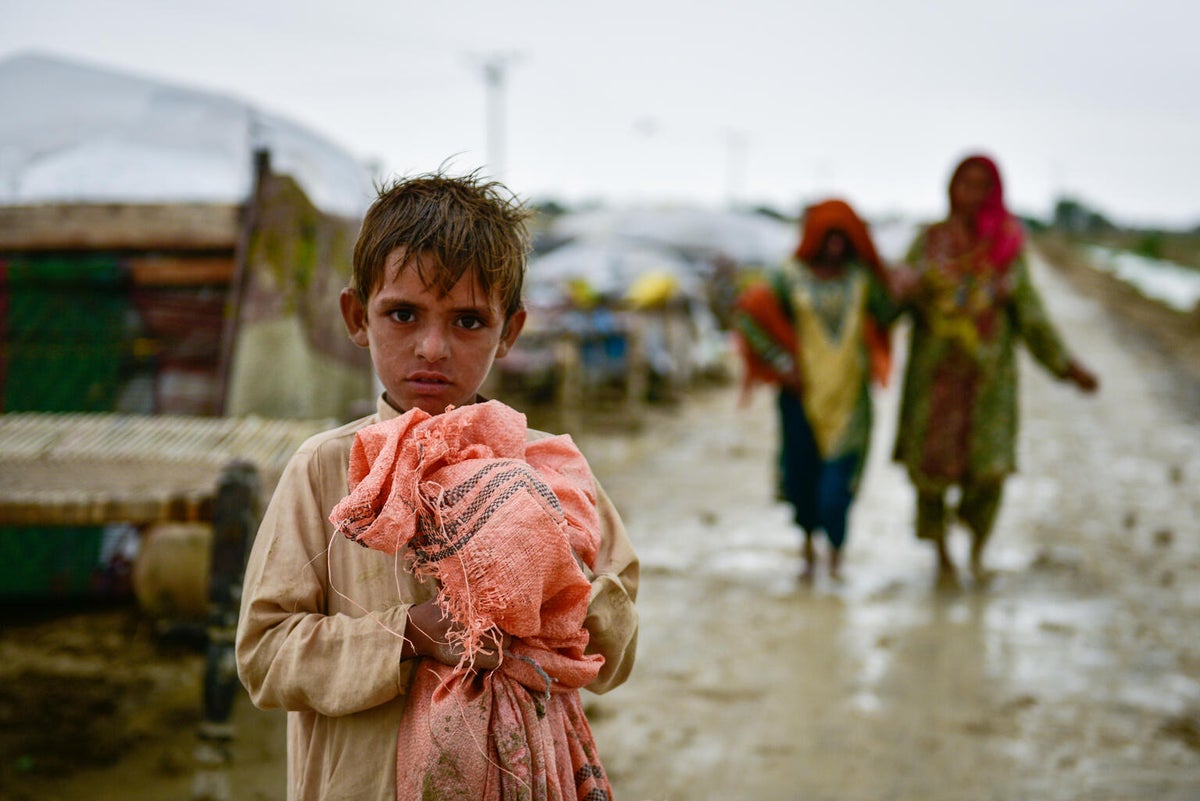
612	619
290	653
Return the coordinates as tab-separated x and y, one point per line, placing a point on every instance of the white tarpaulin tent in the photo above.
76	133
743	236
608	267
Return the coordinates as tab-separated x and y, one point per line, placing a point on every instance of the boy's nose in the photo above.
433	345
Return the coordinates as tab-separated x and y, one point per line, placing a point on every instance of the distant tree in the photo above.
1032	223
548	207
773	213
1073	216
1151	244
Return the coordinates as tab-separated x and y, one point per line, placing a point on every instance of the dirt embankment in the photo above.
1156	326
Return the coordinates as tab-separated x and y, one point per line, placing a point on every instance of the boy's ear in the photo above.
512	330
355	317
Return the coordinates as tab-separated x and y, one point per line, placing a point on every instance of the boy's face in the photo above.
430	352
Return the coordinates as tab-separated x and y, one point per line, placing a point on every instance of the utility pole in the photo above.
735	166
495	72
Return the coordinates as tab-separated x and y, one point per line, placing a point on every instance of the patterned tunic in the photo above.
828	316
958	415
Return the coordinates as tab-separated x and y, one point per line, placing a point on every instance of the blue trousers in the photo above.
820	491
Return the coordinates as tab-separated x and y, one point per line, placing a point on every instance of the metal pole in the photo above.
235	520
735	166
495	74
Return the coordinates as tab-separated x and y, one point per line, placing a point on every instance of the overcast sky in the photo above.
755	101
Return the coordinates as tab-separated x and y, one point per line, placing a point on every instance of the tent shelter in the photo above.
166	250
170	261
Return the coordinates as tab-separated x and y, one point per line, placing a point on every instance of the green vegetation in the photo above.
1082	225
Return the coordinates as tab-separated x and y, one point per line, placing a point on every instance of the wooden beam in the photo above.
92	469
119	226
180	270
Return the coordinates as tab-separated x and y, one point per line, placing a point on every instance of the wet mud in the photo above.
1071	674
1074	673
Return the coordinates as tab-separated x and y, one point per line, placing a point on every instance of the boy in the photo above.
329	630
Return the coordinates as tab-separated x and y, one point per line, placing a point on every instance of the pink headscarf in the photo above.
995	224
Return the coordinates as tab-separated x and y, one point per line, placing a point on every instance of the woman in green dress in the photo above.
970	298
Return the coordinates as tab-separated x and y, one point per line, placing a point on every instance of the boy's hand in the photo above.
428	634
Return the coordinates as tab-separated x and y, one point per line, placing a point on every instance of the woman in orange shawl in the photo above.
814	330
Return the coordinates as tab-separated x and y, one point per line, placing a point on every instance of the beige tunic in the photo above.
322	620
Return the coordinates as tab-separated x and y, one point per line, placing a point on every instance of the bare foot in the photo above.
835	564
947	573
947	578
809	571
980	573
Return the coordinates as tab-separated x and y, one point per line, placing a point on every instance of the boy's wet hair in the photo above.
460	224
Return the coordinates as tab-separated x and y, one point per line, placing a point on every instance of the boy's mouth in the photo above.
427	379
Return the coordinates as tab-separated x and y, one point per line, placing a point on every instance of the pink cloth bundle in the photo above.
507	528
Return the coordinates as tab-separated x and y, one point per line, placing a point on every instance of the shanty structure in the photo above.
158	254
170	261
626	304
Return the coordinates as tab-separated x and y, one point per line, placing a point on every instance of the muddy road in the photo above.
1074	674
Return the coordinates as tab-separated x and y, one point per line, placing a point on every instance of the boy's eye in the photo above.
401	315
471	322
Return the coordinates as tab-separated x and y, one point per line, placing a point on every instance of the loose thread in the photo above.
337	591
